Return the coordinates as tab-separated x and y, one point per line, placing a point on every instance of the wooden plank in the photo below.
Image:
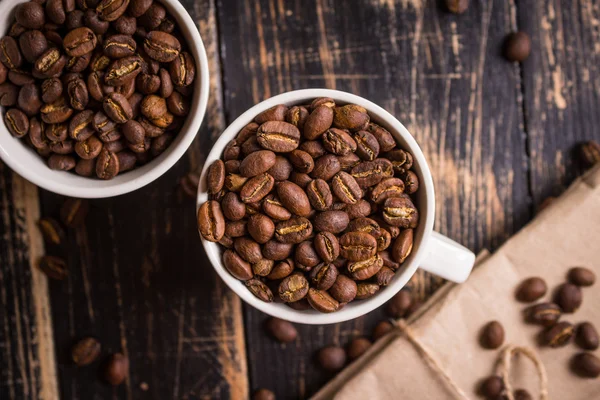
561	88
440	74
141	283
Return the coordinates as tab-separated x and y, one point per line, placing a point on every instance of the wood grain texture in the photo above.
442	75
562	88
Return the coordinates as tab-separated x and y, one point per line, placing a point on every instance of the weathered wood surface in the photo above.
498	137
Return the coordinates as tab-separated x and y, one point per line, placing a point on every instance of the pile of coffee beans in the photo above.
95	86
313	202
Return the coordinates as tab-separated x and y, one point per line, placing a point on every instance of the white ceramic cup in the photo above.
27	163
432	251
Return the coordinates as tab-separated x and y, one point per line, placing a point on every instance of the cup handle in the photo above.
448	259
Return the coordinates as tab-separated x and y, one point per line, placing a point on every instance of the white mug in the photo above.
432	251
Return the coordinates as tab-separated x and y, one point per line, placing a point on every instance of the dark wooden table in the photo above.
498	137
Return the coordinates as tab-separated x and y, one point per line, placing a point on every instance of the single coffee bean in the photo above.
117	107
358	347
558	335
232	151
278	136
367	145
365	269
351	117
260	290
401	212
318	122
261	268
232	167
297	116
293	288
294	230
50	64
182	69
233	208
73	212
280	330
343	289
153	107
382	329
568	297
166	84
237	266
319	194
85	167
235	182
275	209
391	187
79	41
306	256
54	267
236	228
587	336
256	188
327	246
150	129
123	70
332	358
61	162
135	133
345	188
63	148
281	270
261	228
384	276
125	25
119	46
457	7
211	222
357	246
275	113
323	276
138	7
302	161
384	138
401	160
322	301
531	289
20	77
492	387
17	122
293	198
517	46
79	64
178	105
370	173
117	369
52	231
153	17
9	53
349	161
89	148
215	177
300	179
403	246
148	83
257	163
127	159
313	147
398	305
111	10
107	165
326	167
250	146
8	94
78	94
411	182
162	46
85	352
30	15
492	335
589	154
33	44
586	365
546	314
366	290
75	19
338	142
322	101
581	276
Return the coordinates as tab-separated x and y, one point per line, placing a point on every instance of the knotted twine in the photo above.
505	365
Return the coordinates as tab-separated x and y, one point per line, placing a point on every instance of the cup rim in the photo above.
352	310
141	176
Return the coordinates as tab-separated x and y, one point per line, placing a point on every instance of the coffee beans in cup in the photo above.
95	90
312	204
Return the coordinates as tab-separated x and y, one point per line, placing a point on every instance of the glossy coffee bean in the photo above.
558	335
182	69
587	336
79	41
30	15
531	289
85	351
306	256
293	198
365	269
357	246
586	365
278	136
293	288
107	165
10	55
323	276
261	228
33	44
351	117
123	70
294	230
581	276
327	246
161	46
568	297
343	289
319	194
331	221
358	347
280	330
345	188
17	122
117	107
331	358
259	290
546	314
492	335
117	369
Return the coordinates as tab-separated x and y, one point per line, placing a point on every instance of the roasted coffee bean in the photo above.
134	132
326	167
365	269
358	347
369	173
215	177
257	163
587	336
52	231
50	64
89	148
85	167
37	135
280	330
54	267
305	256
211	222
382	329
367	145
384	276
343	289
358	246
99	61
293	288
137	8
348	161
260	290
123	70
79	64
281	270
313	147
323	276
93	21
294	230
401	160
119	46
492	335
78	94
30	15
302	161
65	147
319	194
322	101
327	246
33	44
351	117
558	335
517	46
399	305
581	276
16	122
457	7
411	182
9	53
107	165
79	41
127	159
85	352
402	246
531	289
322	301
331	221
275	113
160	144
338	142
148	83
318	122
546	314
236	229
55	10
250	146
162	46
235	182
117	369
401	212
568	297
293	198
110	10
16	29
278	136
297	116
75	19
126	25
256	188
232	167
96	87
20	77
586	365
61	162
345	188
73	212
300	179
332	358
237	266
153	107
117	107
366	225
178	105
366	290
247	132
384	138
8	94
263	267
103	124
56	112
233	208
182	69
492	387
117	146
261	228
391	187
150	129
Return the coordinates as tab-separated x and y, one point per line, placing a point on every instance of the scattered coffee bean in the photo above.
568	297
85	352
117	369
331	358
281	330
357	348
546	314
492	387
457	6
398	305
54	267
581	276
531	289
52	231
381	329
558	335
263	394
492	335
517	46
586	365
73	212
587	336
